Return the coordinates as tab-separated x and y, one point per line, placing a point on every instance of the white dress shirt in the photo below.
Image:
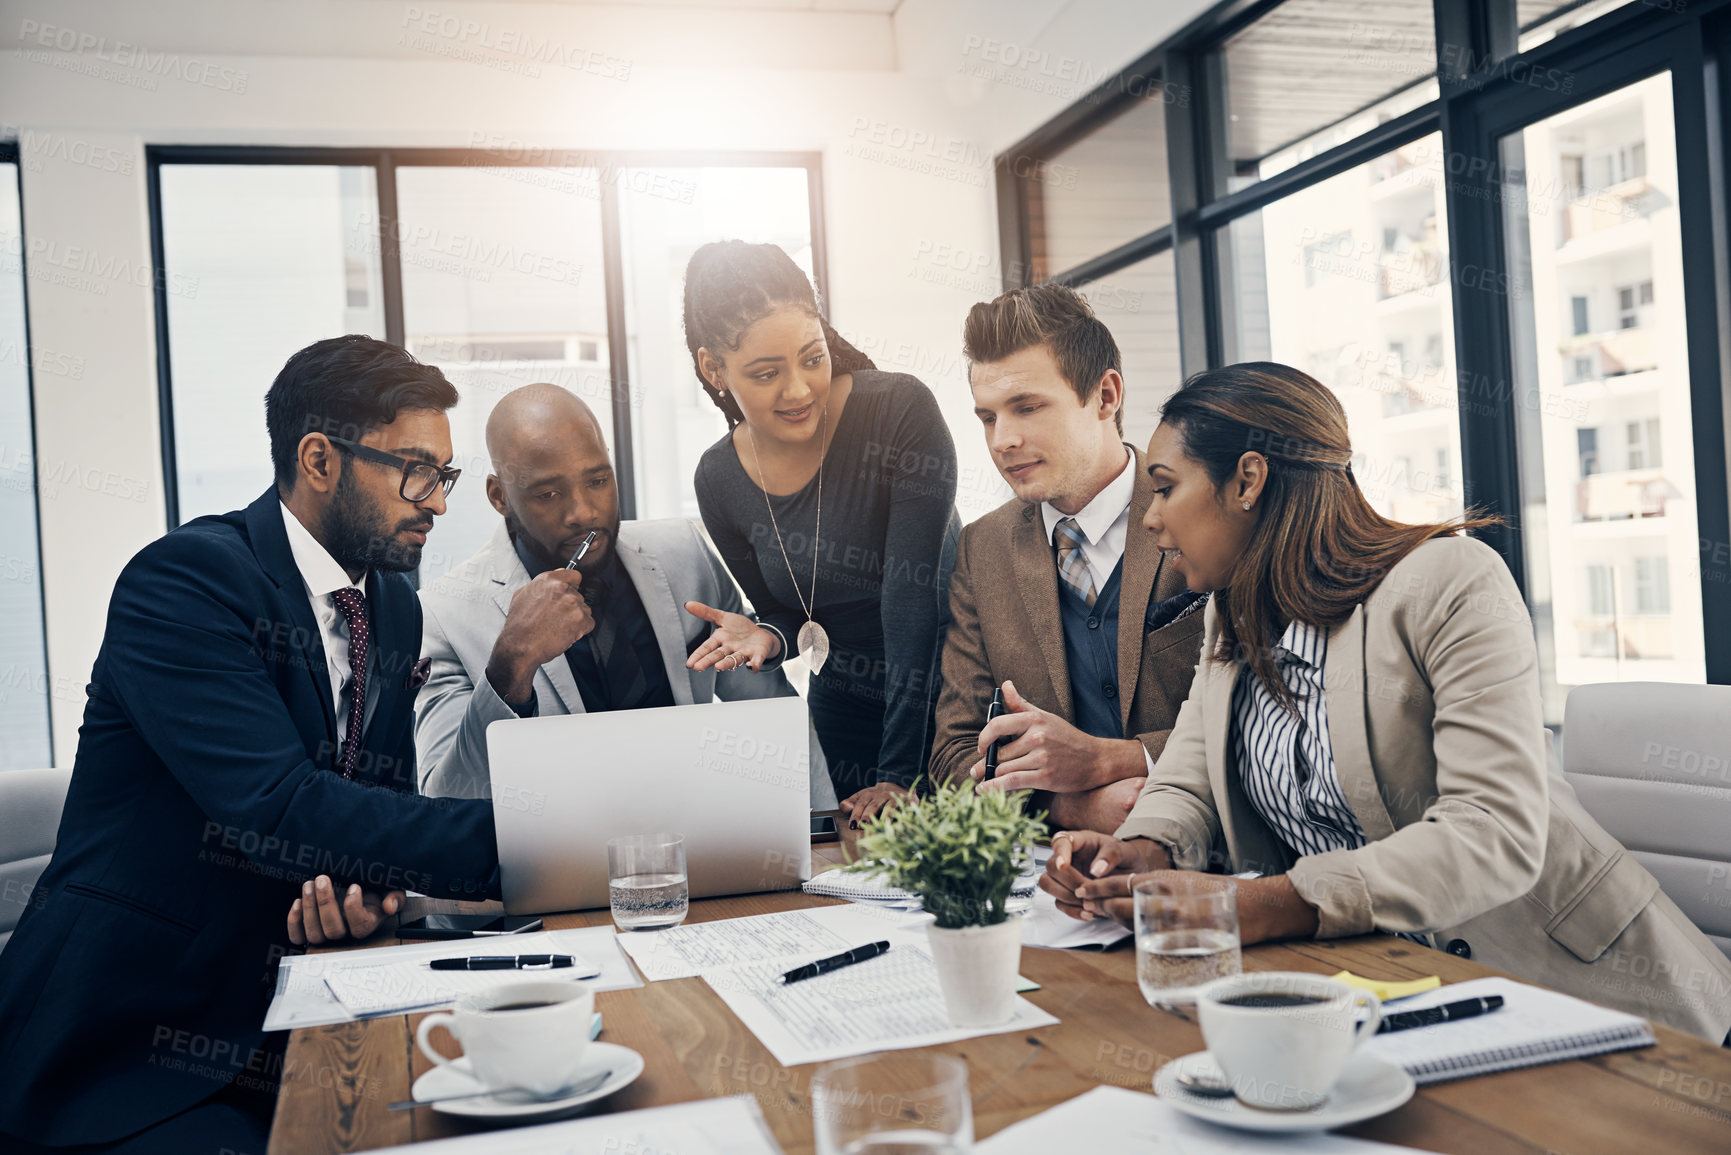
1104	522
323	576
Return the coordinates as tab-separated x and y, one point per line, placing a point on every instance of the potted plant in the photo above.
960	852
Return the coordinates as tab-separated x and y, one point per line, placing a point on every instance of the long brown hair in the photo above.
1318	548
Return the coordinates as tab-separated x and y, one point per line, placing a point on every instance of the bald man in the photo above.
512	633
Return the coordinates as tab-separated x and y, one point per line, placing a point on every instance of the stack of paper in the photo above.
1115	1119
884	1004
305	998
731	1126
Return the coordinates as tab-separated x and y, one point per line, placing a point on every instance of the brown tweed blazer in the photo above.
1005	626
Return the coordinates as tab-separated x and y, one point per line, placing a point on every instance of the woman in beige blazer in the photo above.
1365	730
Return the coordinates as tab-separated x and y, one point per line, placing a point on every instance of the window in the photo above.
1601	590
665	214
1585	507
1587	446
1315	73
492	269
502	281
1139	305
1578	313
1631	304
242	298
1644	444
1312	284
1653	584
24	738
1106	189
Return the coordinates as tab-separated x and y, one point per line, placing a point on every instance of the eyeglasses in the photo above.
419	478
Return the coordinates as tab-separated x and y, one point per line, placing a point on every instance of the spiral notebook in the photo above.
1533	1026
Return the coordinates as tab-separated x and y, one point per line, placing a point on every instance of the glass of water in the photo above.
646	881
1186	935
904	1103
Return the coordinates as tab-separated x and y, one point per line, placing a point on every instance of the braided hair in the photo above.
732	285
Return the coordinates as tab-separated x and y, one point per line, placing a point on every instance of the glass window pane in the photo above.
1601	366
23	664
1108	188
665	214
1316	73
1347	280
1140	305
502	287
259	260
1542	20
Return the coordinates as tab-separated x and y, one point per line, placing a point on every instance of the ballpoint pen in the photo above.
1447	1013
835	962
996	709
588	540
518	962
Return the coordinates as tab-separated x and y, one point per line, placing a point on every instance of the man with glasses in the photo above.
247	751
521	629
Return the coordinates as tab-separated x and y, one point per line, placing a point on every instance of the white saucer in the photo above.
456	1078
1368	1087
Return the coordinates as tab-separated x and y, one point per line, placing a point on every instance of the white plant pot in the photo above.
977	968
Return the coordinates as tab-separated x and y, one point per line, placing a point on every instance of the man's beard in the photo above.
355	537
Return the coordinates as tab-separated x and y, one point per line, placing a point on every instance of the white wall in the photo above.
906	129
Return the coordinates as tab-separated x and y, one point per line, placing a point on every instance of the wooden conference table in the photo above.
1675	1097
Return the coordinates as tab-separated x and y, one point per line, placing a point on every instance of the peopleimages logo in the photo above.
125	54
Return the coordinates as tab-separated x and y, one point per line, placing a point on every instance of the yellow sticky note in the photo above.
1389	990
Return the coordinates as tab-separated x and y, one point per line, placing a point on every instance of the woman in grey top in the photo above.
832	501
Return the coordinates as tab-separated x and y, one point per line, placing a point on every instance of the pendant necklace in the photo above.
813	642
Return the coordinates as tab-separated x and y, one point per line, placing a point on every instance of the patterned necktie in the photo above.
1072	564
353	605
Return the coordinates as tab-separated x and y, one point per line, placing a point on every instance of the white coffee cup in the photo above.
537	1048
1281	1037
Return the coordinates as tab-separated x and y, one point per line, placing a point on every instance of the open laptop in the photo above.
732	777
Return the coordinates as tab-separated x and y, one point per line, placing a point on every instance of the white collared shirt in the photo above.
1104	522
323	576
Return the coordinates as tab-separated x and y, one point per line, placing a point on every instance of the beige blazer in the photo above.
1005	626
1432	701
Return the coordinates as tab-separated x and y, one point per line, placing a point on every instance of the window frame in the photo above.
10	154
385	161
1484	93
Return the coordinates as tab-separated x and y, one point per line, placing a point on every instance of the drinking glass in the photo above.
906	1103
646	881
1186	935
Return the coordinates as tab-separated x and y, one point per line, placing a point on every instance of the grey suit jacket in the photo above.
462	613
1432	699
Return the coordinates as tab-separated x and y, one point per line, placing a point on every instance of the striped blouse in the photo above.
1284	759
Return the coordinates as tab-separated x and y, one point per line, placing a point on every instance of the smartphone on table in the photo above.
440	926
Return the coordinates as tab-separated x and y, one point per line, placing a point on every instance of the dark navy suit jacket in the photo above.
202	797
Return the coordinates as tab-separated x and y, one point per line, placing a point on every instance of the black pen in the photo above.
835	962
1447	1013
505	962
588	540
996	709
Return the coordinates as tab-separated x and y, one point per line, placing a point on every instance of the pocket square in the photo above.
418	676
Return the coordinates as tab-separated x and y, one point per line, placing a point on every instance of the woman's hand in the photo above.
863	806
736	641
1083	858
1268	908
